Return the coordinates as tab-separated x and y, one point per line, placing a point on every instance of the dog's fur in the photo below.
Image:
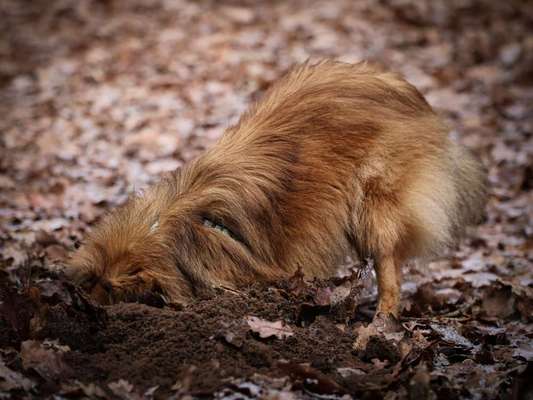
335	158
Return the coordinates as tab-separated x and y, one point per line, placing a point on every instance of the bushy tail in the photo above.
470	181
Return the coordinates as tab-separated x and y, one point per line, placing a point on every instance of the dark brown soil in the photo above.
159	346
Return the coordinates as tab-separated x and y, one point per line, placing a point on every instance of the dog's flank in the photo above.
335	158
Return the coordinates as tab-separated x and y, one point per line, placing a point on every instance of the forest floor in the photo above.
99	97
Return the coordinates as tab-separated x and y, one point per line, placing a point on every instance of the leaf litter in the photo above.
100	97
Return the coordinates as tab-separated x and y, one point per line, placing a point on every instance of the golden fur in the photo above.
336	158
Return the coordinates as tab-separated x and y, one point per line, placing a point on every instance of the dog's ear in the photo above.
147	292
103	292
77	273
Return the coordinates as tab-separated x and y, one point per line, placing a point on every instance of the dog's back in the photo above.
338	157
347	155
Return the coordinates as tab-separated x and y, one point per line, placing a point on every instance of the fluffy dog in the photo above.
336	158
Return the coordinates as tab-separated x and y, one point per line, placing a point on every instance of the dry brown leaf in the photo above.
124	390
10	379
47	360
267	329
363	335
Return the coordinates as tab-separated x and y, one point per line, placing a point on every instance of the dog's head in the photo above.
126	257
162	244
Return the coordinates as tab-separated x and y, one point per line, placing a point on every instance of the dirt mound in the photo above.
207	343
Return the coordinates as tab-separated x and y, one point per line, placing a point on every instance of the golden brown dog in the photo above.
336	158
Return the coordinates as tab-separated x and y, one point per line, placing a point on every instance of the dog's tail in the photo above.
470	181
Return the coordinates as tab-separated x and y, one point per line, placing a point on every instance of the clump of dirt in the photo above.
206	343
48	307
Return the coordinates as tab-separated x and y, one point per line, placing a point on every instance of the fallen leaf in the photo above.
57	252
420	384
241	15
150	392
524	349
498	301
313	379
363	335
10	379
332	296
46	360
267	329
124	390
78	389
296	283
450	335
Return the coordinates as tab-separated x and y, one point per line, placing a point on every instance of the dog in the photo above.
335	159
